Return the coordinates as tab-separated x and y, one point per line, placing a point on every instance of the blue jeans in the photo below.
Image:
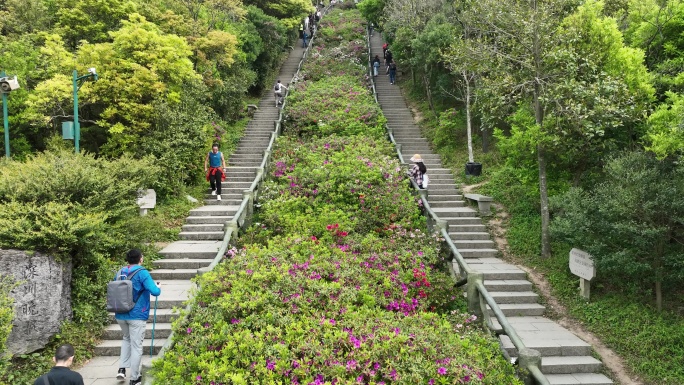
304	41
393	76
132	345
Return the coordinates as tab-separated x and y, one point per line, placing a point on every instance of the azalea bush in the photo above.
338	27
338	281
335	105
356	175
335	62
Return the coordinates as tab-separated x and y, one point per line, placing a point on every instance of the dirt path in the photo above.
610	359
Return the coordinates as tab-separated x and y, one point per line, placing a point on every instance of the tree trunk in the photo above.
485	140
541	156
428	93
658	267
544	198
469	127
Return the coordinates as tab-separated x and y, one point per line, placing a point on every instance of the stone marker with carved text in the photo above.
42	301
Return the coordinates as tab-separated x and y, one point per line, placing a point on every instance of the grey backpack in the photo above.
120	293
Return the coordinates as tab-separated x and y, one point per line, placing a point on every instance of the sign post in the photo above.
582	265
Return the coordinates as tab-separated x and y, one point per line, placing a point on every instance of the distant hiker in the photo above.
301	31
305	40
306	23
318	16
311	20
393	72
370	29
388	59
279	90
418	170
133	323
60	374
384	50
215	174
376	65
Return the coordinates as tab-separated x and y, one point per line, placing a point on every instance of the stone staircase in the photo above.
566	359
199	240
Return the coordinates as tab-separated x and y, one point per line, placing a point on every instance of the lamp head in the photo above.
93	72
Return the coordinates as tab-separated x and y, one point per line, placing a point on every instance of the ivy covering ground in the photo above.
339	282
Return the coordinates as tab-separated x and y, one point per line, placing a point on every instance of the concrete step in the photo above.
455	212
113	347
468	236
456	221
579	379
203	227
478	253
508	285
520	297
201	235
474	244
215	219
494	271
569	365
161	330
163	315
467	228
519	309
186	274
547	345
447	204
185	263
235	184
232	179
191	249
443	198
214	210
226	200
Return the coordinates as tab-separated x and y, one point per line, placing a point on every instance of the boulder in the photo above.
42	300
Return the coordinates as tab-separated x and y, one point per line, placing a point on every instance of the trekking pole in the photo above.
154	323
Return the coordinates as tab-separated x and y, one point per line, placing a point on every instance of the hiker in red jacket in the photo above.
215	173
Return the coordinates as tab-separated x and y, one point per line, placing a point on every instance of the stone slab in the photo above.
192	247
42	298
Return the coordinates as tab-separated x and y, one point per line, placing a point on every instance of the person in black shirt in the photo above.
60	374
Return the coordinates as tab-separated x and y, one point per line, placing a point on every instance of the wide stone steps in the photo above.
214	219
203	227
201	235
578	379
184	263
161	330
113	347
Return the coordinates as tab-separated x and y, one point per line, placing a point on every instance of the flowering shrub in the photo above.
355	175
338	27
335	105
339	281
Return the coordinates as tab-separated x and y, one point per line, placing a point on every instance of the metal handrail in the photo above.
484	298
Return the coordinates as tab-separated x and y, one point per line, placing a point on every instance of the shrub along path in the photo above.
566	359
199	241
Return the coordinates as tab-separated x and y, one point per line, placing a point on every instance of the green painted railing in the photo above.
243	216
478	296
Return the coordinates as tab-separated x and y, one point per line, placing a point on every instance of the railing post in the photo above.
398	146
473	294
528	357
250	207
442	224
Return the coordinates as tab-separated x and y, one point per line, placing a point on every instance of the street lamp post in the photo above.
5	120
7	85
77	82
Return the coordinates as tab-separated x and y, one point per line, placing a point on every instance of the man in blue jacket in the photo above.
133	323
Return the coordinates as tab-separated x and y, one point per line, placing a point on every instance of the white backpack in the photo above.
426	180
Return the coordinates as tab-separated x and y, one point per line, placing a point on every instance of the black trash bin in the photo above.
473	169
